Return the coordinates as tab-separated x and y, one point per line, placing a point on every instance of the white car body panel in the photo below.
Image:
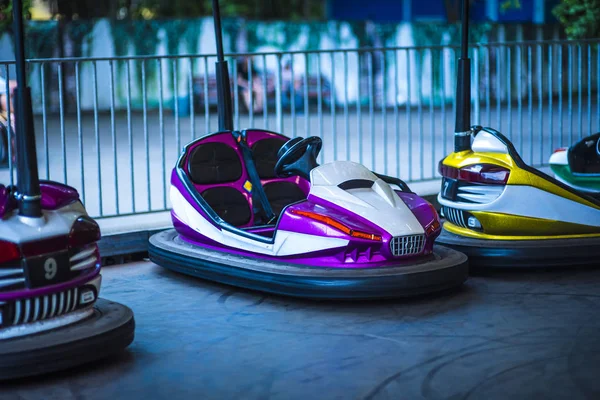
286	242
53	223
485	142
559	158
379	204
517	200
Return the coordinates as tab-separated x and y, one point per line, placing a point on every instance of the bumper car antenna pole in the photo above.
462	129
223	88
27	170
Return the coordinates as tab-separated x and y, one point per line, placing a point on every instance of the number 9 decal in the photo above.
50	267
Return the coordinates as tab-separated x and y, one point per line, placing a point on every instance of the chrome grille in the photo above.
407	245
455	216
12	277
41	307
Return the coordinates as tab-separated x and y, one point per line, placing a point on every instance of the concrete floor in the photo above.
508	335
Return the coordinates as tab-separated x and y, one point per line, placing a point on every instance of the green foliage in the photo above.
507	5
6	13
581	18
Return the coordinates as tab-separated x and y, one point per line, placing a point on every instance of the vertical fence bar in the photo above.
419	63
550	94
236	94
560	95
146	138
396	115
359	108
176	102
206	99
476	78
278	97
570	89
191	100
431	124
44	121
589	88
79	130
540	127
332	106
520	95
293	95
530	99
384	112
97	136
320	98
113	132
265	92
488	92
161	124
579	92
10	132
130	133
509	91
346	114
61	103
371	108
598	87
408	113
498	91
305	95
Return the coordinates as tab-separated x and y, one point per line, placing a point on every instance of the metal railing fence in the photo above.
114	127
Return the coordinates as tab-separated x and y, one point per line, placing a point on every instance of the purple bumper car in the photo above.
254	209
50	314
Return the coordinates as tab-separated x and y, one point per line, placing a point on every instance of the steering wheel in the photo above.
298	156
598	147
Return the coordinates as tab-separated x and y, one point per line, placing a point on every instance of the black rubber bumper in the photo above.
446	269
542	253
108	330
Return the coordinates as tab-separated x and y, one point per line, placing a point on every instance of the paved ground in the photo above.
134	170
503	336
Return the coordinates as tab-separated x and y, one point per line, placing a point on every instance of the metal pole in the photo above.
223	89
462	140
28	178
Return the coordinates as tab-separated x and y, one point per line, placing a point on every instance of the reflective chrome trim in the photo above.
27	310
83	254
53	306
11	282
407	245
10	272
88	262
17	316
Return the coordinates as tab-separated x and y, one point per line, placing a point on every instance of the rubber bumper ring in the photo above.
108	330
485	253
446	269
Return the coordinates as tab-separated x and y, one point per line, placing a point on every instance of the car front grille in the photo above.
455	216
44	307
407	245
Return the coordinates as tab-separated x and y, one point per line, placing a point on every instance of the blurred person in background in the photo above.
253	99
5	137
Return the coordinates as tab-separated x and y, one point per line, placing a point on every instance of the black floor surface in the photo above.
515	335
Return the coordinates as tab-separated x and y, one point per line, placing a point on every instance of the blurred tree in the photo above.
580	18
6	12
156	9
